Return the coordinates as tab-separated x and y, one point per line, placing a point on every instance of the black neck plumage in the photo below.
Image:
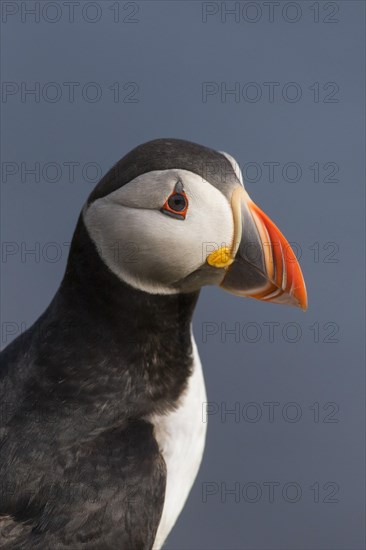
90	281
109	346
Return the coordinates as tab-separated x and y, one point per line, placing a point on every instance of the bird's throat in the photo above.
127	346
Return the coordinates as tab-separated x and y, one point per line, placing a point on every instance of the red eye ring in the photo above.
176	204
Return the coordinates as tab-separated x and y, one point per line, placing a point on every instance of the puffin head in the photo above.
172	216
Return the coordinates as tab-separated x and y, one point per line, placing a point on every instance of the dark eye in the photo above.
177	202
176	205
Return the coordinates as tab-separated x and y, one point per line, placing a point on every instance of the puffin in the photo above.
101	435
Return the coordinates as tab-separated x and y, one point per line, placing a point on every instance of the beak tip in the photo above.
302	295
302	302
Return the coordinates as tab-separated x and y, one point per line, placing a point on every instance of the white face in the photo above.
150	250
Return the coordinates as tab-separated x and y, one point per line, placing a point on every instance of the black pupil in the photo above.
177	202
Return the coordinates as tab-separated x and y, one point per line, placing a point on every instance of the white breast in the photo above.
181	438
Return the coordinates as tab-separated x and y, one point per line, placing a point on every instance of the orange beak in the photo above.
263	264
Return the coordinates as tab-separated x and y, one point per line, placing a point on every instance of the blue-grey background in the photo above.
311	371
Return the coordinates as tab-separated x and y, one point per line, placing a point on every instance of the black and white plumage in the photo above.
101	434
